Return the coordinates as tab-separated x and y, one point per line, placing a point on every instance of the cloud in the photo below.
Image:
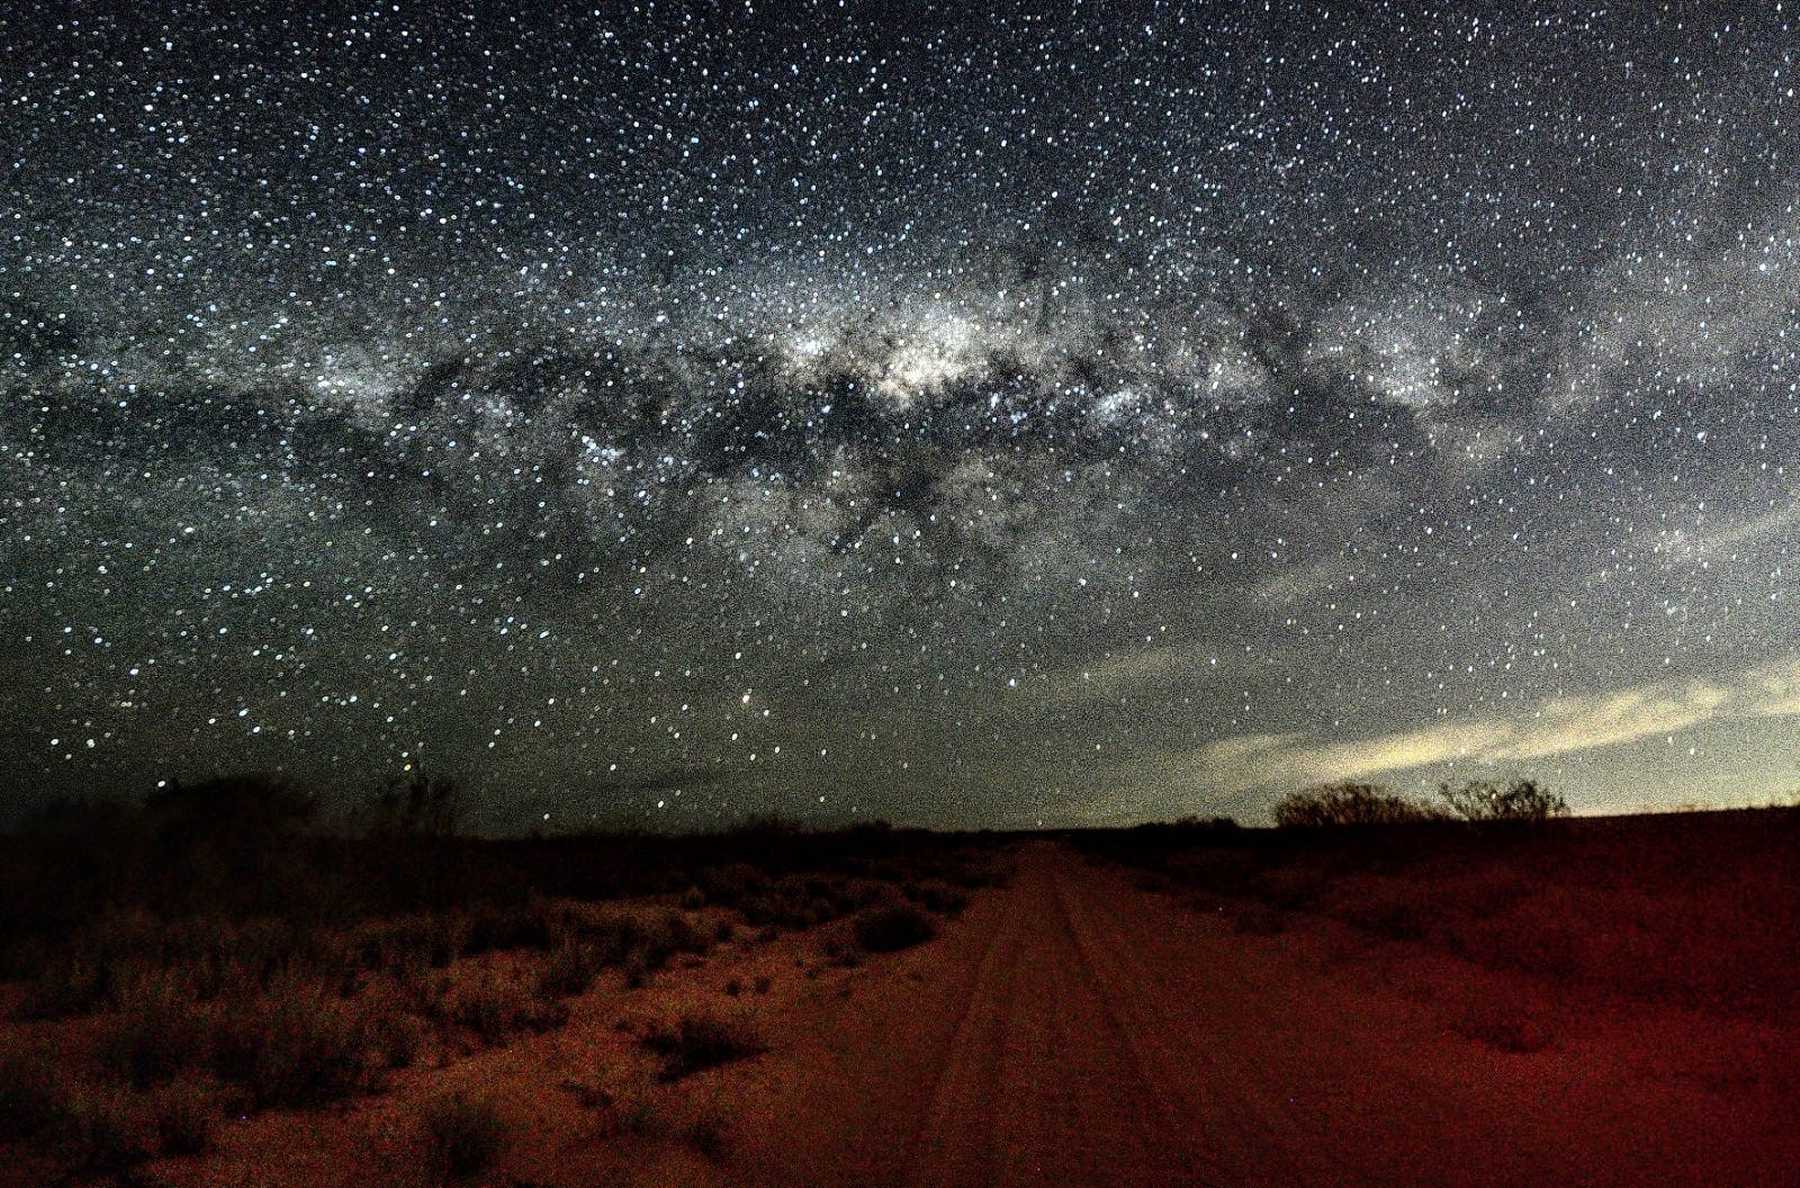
1774	522
1304	582
1555	727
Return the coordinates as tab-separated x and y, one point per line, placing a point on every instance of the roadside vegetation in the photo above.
234	954
1698	908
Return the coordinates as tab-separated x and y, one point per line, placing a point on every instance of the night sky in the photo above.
660	414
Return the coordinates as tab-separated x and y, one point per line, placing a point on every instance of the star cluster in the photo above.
1068	413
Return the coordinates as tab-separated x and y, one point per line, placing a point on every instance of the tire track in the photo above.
953	1141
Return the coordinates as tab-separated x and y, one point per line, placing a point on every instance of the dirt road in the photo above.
1074	1029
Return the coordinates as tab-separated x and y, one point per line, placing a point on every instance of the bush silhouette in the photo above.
1523	800
1350	803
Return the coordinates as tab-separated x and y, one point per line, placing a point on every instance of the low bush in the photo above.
699	1041
938	896
67	985
158	1034
463	1138
890	929
518	926
31	1096
183	1116
494	1007
569	969
394	1036
299	1046
98	1132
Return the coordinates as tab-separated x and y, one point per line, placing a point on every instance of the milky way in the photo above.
663	414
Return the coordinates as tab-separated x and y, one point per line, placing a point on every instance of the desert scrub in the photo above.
530	925
568	970
68	984
394	1036
98	1133
183	1118
158	1034
699	1041
301	1045
463	1138
890	929
31	1095
494	1006
938	896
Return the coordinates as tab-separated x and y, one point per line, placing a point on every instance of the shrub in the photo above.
730	884
184	1119
1522	801
700	1041
409	942
693	899
394	1036
938	895
707	1135
569	970
300	1046
158	1035
889	929
98	1133
493	1007
71	984
31	1096
463	1137
682	936
519	926
1350	804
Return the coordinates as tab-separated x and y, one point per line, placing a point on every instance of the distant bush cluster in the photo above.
1349	804
1523	801
1699	909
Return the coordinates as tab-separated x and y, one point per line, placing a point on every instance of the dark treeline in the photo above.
255	846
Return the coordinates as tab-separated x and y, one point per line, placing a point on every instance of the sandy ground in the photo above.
1074	1029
